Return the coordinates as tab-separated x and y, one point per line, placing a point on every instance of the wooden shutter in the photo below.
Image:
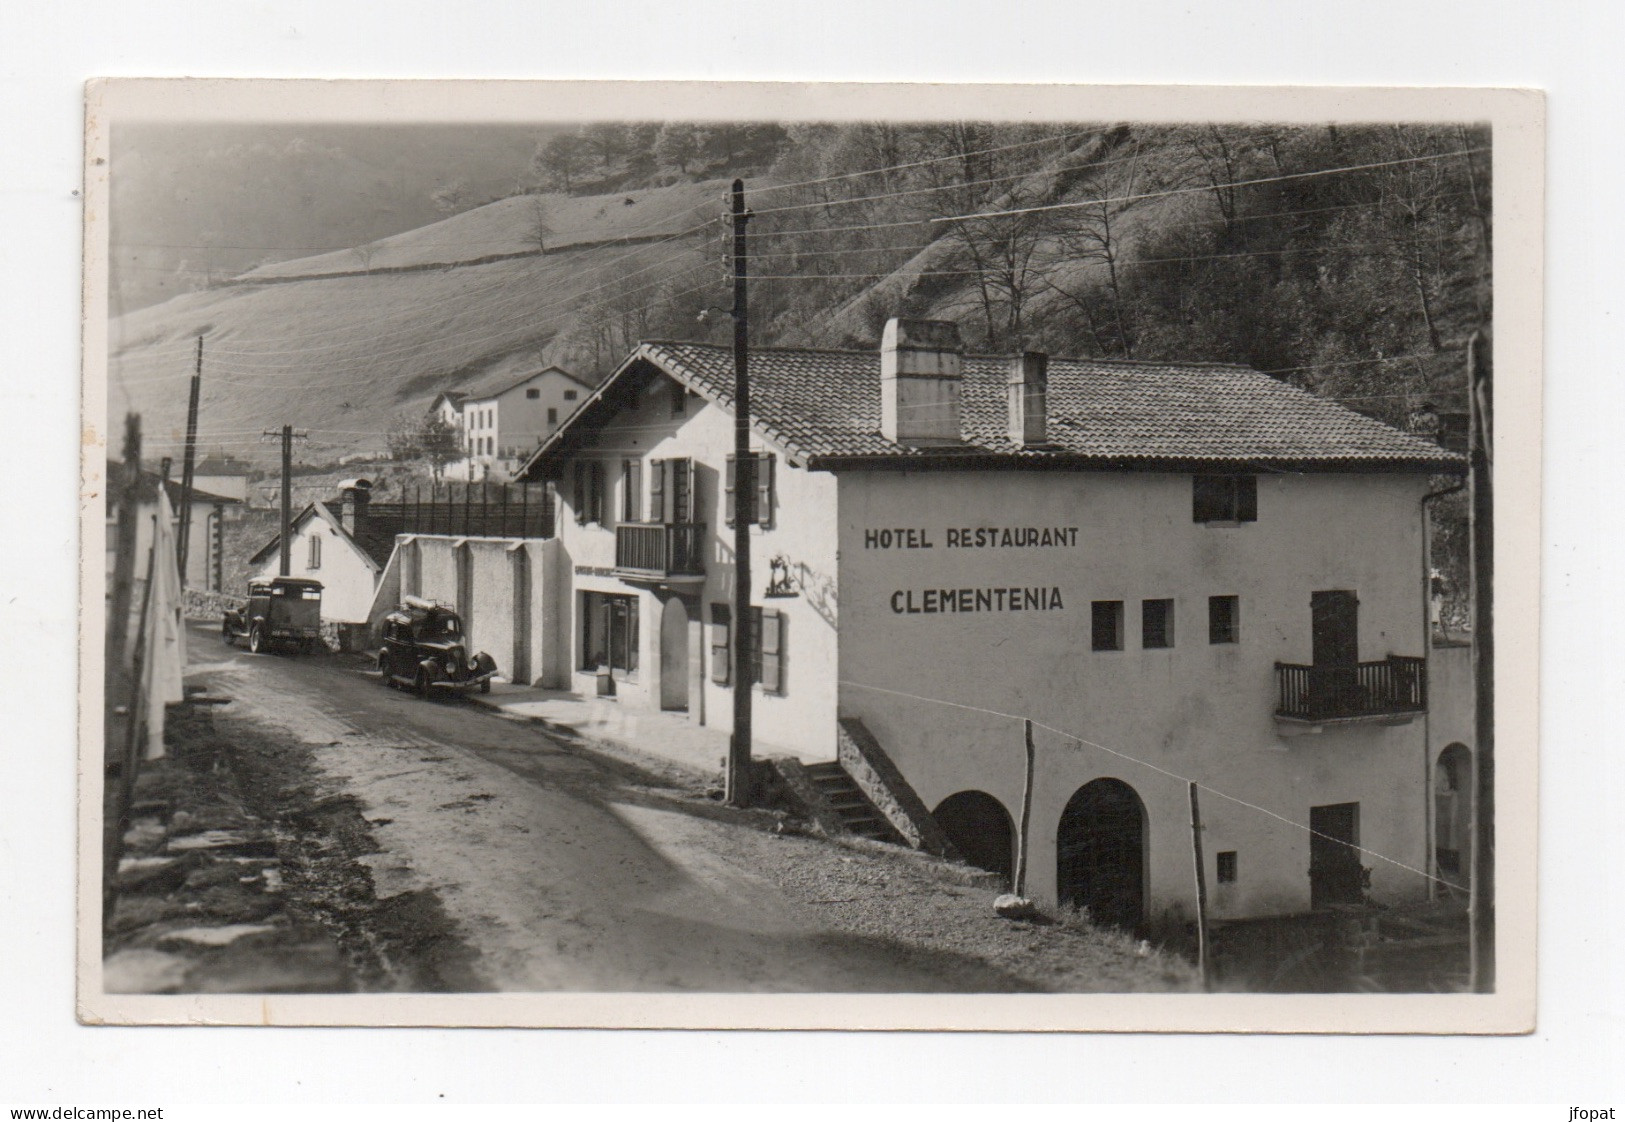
721	650
772	649
597	489
1246	498
631	490
764	490
682	490
580	502
657	490
728	490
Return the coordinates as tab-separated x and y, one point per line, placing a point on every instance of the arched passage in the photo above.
981	830
1453	815
1101	853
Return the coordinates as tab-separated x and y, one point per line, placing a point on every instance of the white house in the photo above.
209	513
341	543
1177	572
503	416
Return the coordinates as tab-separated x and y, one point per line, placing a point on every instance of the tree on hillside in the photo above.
562	160
537	230
426	437
449	198
678	143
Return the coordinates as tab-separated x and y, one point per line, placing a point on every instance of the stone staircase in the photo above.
858	815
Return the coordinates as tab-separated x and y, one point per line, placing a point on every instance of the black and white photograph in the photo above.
708	555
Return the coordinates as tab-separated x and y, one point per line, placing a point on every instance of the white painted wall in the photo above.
801	719
1198	710
489	618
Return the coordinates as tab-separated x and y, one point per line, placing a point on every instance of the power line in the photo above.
922	163
1210	186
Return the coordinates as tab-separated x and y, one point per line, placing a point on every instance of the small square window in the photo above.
1223	619
1106	625
533	394
1156	624
1224	498
1227	867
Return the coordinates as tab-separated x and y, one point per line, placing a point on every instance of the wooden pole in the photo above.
135	718
127	487
285	564
1204	955
737	776
1022	841
1481	891
183	533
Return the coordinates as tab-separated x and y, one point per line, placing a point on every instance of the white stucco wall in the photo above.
490	619
801	718
1199	711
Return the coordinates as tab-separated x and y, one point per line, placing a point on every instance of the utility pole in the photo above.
737	778
1480	471
288	437
183	532
128	484
1204	952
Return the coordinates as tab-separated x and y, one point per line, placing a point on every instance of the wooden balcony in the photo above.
660	552
1394	689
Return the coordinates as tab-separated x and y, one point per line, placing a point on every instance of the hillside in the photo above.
341	344
1351	261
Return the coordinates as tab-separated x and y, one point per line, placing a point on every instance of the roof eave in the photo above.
1077	461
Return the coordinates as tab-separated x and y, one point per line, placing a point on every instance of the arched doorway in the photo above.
1453	816
981	830
1101	852
674	655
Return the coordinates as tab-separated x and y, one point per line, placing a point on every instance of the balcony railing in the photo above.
660	551
1396	686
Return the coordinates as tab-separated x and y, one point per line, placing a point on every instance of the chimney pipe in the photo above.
1027	392
921	372
354	495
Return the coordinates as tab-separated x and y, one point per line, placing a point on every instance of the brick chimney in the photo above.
921	372
354	495
1027	392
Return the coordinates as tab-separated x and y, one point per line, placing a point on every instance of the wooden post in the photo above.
524	510
1204	953
183	534
468	497
128	489
1020	885
737	778
285	562
485	510
136	718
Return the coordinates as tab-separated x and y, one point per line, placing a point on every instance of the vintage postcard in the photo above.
810	556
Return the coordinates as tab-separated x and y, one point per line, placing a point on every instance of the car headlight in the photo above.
451	664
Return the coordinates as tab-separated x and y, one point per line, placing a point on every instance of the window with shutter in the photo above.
579	495
771	661
315	552
729	483
721	650
1224	498
764	490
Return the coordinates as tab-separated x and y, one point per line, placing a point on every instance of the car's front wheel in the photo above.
256	639
485	686
383	672
423	684
227	635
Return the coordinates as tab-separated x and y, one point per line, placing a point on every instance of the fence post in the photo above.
1020	887
1204	955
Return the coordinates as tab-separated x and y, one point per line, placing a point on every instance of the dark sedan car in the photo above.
425	649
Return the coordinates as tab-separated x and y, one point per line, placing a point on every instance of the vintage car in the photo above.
424	649
281	612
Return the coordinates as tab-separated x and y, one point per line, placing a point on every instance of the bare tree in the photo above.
451	197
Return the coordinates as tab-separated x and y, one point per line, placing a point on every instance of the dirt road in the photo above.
560	869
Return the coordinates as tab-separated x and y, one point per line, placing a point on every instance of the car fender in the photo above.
432	669
484	663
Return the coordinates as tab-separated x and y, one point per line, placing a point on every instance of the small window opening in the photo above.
1227	867
1223	619
1156	624
1106	625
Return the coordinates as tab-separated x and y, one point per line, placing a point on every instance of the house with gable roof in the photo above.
345	545
505	413
1176	572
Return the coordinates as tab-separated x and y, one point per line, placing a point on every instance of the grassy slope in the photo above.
344	354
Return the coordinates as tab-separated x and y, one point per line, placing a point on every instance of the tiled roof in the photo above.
823	407
826	405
